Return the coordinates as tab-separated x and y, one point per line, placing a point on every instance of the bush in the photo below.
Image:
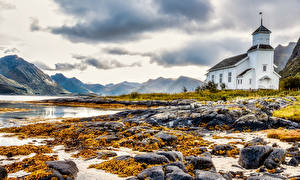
134	95
211	86
291	83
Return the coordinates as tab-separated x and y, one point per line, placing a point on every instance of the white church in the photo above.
251	70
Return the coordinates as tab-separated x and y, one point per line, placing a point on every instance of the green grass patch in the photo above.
291	112
206	95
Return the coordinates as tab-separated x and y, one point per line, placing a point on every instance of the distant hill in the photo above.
293	65
159	85
168	85
282	55
76	86
22	74
73	85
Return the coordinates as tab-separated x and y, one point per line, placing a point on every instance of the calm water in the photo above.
38	111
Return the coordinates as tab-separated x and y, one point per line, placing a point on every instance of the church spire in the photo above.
261	18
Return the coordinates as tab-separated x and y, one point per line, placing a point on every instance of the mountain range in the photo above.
20	77
159	85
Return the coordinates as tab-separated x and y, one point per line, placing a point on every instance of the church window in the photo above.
250	81
221	78
264	68
229	76
213	78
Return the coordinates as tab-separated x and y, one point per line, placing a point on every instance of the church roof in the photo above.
244	72
261	29
229	62
261	46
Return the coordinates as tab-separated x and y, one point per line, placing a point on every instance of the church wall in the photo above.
261	39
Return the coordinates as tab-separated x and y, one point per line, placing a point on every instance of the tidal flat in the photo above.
182	139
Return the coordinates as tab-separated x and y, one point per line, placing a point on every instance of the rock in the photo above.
153	173
151	158
255	142
122	158
108	138
202	163
249	121
175	173
171	155
64	167
293	162
207	175
254	156
3	173
106	154
276	157
179	164
221	147
265	177
166	137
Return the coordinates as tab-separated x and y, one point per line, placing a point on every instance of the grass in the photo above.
284	134
291	112
206	95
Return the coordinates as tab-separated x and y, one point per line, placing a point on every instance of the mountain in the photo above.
168	85
27	76
8	86
120	88
74	85
282	54
293	65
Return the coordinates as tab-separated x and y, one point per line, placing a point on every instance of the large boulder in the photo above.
249	121
178	164
202	163
64	167
171	155
3	173
175	173
153	173
207	175
221	147
151	158
166	137
255	142
276	157
254	156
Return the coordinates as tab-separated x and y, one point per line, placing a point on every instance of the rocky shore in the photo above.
175	140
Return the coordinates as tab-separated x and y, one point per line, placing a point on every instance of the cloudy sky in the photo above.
109	41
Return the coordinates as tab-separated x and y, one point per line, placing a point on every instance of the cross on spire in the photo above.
261	18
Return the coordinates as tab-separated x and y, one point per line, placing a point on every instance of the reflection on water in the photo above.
27	98
49	112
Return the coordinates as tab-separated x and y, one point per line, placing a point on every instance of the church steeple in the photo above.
261	35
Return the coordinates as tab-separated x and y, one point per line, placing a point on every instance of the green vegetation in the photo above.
291	83
291	112
207	95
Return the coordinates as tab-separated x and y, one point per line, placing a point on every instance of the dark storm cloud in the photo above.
191	9
200	53
119	20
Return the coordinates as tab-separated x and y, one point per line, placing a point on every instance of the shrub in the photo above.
134	95
291	83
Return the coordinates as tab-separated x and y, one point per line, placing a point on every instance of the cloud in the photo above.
11	51
204	53
122	51
61	66
119	20
190	9
34	26
103	64
6	6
